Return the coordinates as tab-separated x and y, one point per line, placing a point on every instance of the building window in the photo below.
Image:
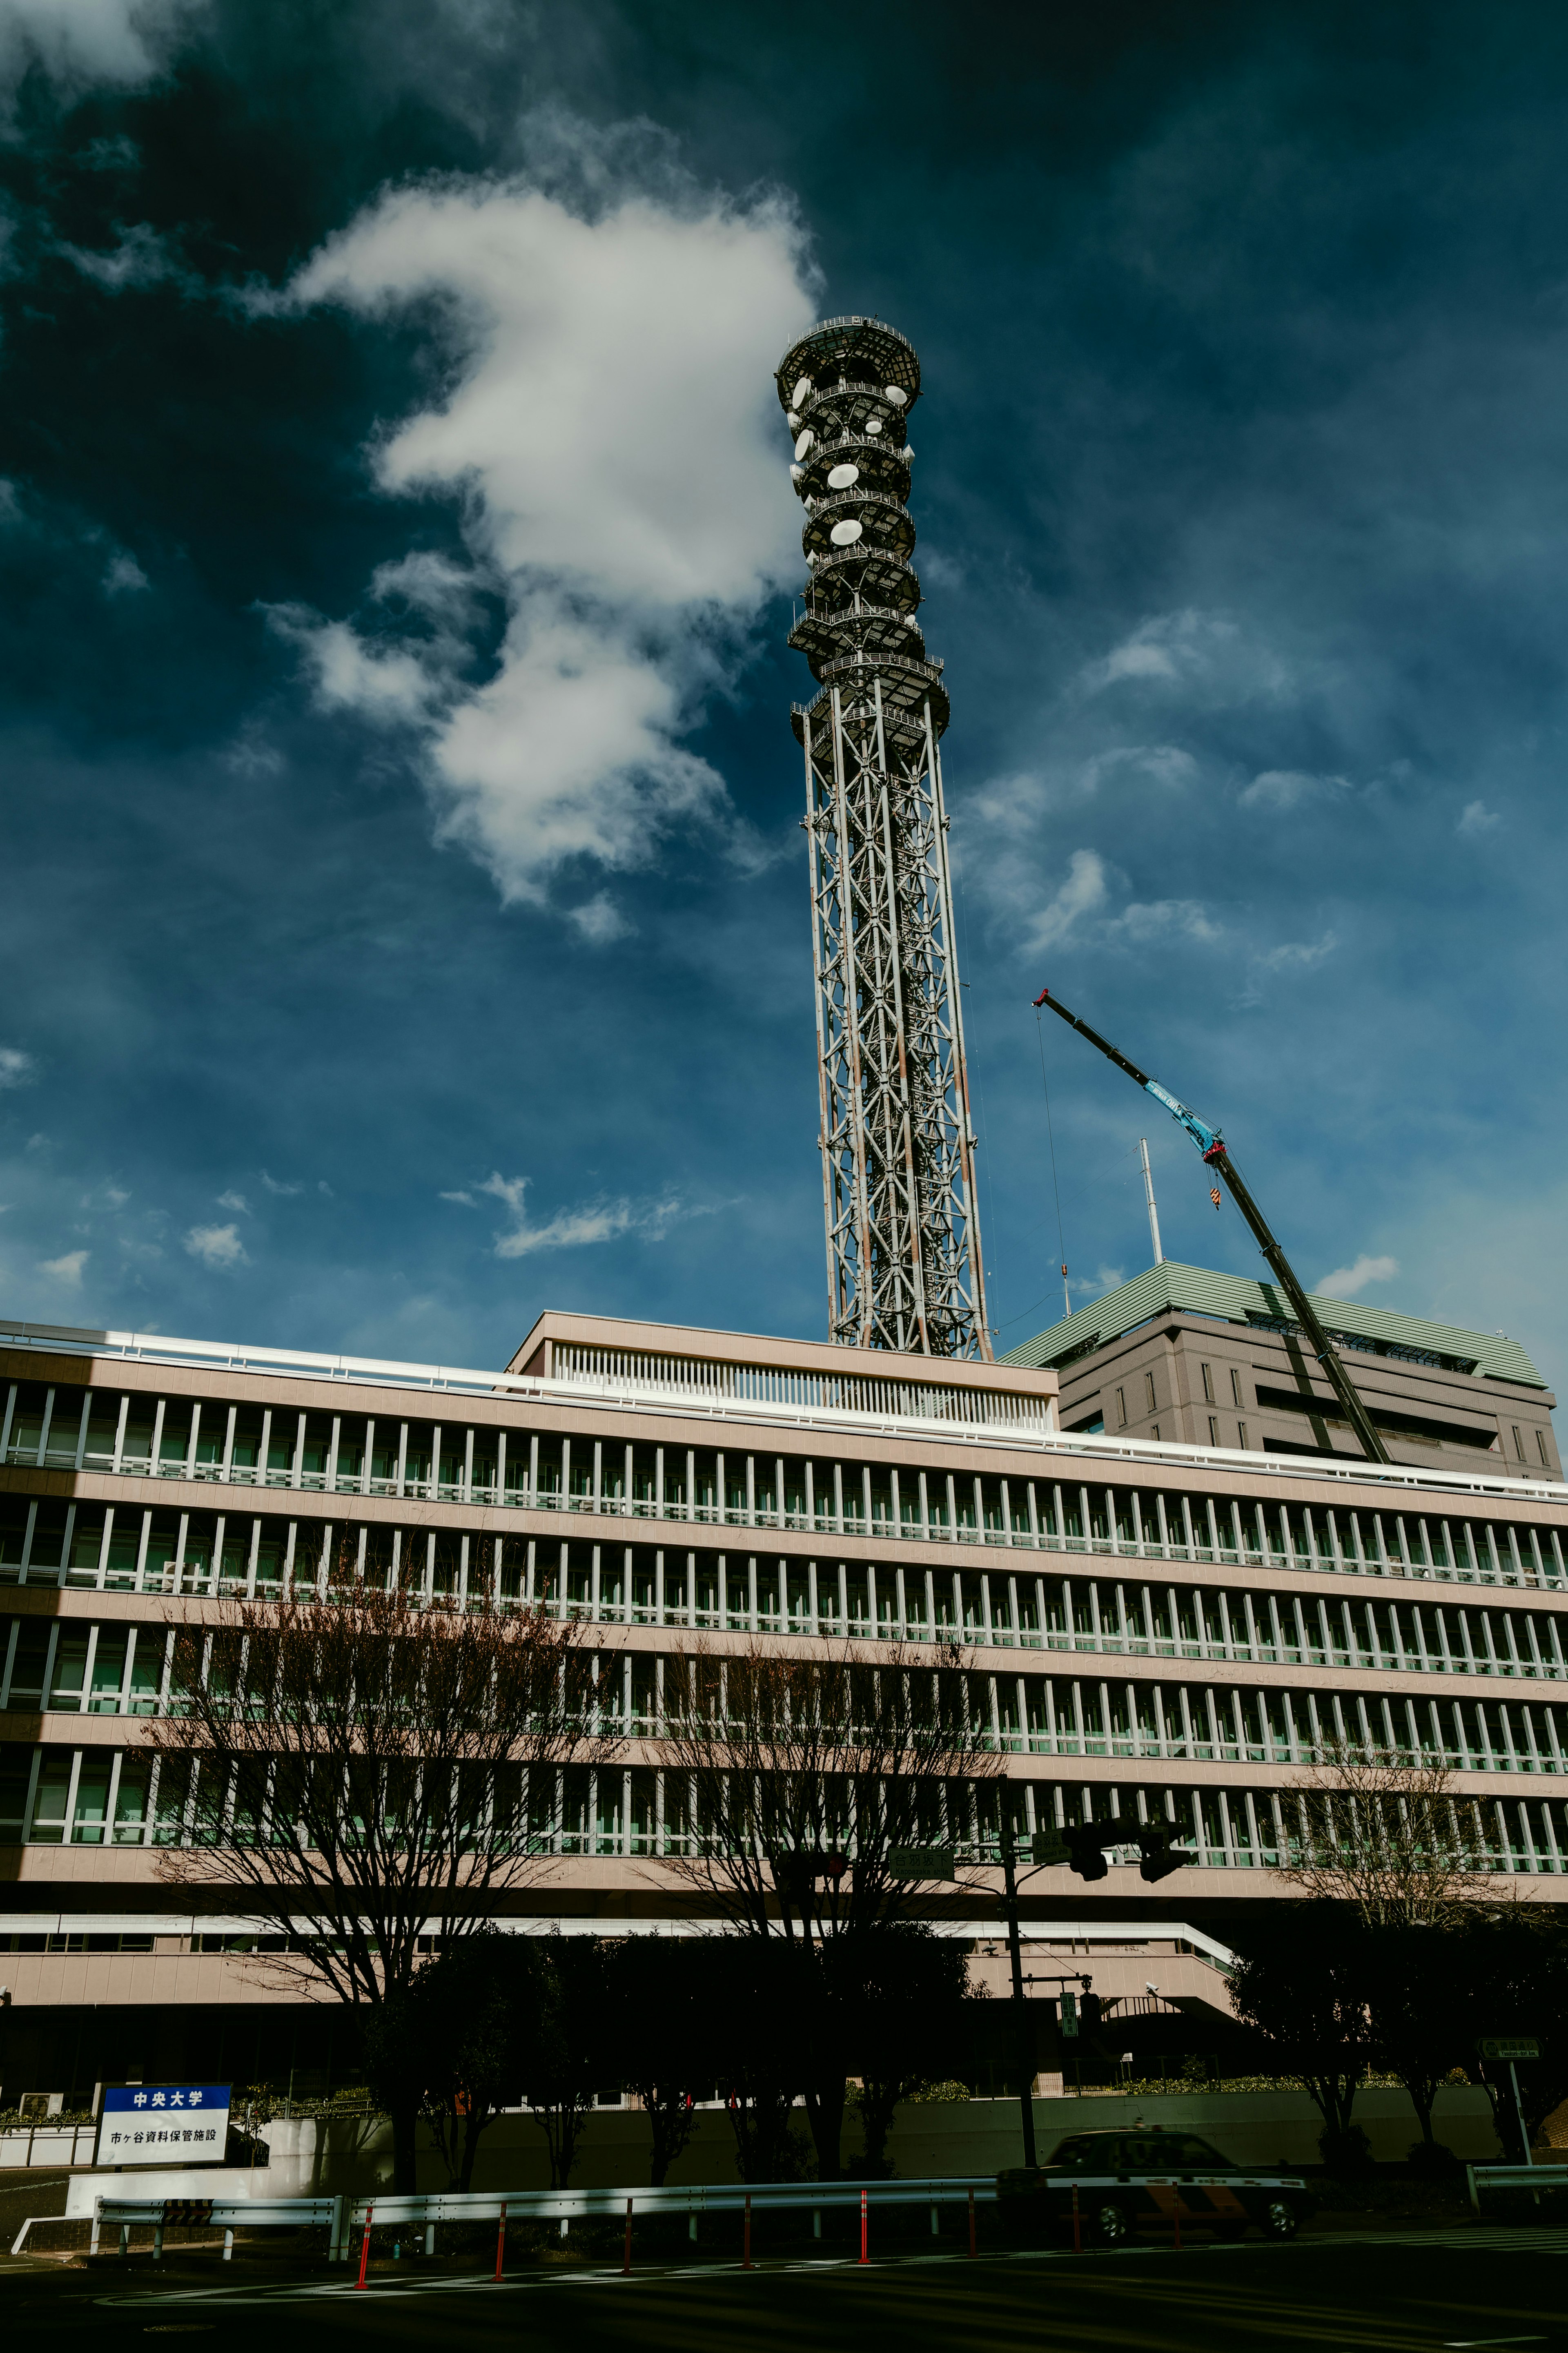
1540	1440
1214	1425
1517	1443
1121	1410
1208	1384
1241	1433
1236	1395
1155	1432
1149	1386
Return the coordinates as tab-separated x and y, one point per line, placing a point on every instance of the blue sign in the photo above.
164	2124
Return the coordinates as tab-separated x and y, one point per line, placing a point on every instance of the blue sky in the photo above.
405	922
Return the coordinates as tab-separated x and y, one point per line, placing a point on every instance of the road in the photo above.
1379	2293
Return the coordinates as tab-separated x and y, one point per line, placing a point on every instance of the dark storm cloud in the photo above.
1241	472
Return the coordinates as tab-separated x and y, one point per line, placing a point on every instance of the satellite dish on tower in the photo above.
844	534
803	447
873	425
843	478
801	392
896	393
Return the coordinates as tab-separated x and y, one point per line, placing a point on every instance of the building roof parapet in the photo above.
1237	1299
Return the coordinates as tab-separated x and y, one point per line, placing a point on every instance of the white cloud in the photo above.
1083	893
597	1221
274	1185
143	258
1346	1281
17	1069
82	41
1297	955
233	1201
600	921
1205	653
1162	763
216	1246
1281	788
466	1200
1476	818
68	1269
1161	918
609	423
124	576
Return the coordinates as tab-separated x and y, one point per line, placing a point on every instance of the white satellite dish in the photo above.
896	393
801	392
873	425
803	446
843	478
844	534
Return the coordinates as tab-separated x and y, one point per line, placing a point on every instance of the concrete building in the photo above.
1157	1629
1216	1360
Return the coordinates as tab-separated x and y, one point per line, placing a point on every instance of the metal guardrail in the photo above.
345	2216
1513	2176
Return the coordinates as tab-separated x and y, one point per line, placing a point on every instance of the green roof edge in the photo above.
1199	1291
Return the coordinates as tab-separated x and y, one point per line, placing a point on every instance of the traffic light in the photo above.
1159	1858
1085	1845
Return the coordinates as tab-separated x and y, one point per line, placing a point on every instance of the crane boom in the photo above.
1211	1144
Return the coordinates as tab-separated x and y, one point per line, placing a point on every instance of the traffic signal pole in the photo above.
1023	2037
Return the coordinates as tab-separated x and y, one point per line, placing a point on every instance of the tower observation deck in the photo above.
897	1148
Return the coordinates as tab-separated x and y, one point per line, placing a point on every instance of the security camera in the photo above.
1150	1988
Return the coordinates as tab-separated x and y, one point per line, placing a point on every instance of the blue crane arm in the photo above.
1212	1146
1205	1137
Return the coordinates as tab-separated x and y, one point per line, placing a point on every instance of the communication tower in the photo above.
897	1148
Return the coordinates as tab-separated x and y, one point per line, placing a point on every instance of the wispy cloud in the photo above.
275	1184
1296	956
1084	892
124	577
595	1221
1208	655
1152	918
1346	1281
17	1069
233	1201
216	1246
68	1269
1282	788
1476	818
143	258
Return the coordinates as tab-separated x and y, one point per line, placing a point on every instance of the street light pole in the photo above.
1024	2040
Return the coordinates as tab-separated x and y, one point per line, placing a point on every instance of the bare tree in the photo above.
791	1781
367	1766
796	1777
1383	1830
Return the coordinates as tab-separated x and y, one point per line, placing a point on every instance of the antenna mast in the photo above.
904	1267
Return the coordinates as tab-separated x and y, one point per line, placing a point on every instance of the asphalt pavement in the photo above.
1408	2292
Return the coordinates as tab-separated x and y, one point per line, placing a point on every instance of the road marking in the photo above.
1499	2240
1451	2341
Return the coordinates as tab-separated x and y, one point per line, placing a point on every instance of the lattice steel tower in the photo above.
897	1150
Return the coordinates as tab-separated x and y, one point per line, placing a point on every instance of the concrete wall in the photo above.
968	2136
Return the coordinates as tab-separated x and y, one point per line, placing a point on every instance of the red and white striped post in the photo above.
627	2251
500	2240
365	2249
1077	2224
863	2255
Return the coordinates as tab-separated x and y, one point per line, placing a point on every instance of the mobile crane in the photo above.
1211	1144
